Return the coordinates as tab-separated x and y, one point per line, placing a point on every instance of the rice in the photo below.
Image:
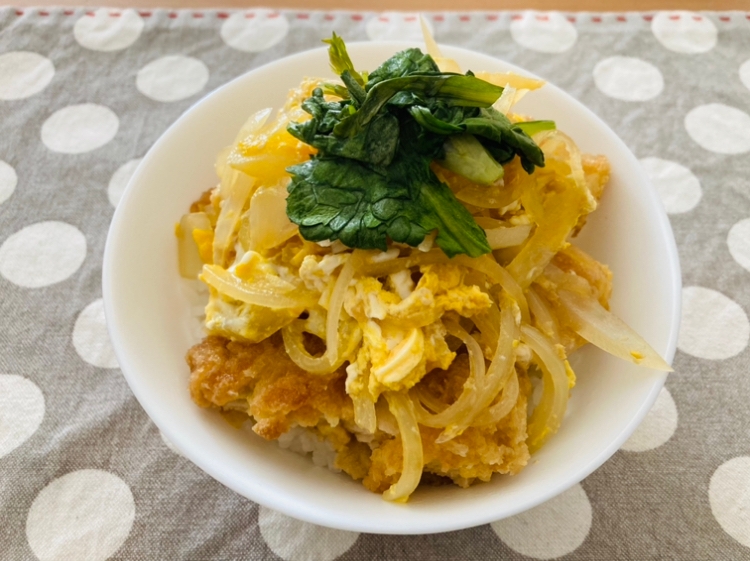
305	441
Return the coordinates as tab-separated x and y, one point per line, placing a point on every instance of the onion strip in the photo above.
330	360
403	409
476	357
499	238
608	332
482	196
267	291
189	257
547	416
506	100
488	324
502	408
542	315
235	191
364	413
444	64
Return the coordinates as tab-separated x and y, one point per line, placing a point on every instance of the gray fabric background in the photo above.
649	505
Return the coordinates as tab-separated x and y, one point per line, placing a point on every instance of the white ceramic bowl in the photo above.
150	320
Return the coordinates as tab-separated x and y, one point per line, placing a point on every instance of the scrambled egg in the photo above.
403	334
242	321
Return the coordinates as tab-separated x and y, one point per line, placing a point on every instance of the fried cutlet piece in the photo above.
279	393
220	371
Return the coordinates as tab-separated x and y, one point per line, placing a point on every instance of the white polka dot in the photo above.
719	128
713	326
42	254
8	181
745	73
120	180
679	190
657	427
21	411
79	128
738	241
256	31
396	26
23	74
550	530
91	338
628	79
684	32
103	31
294	540
84	514
545	32
172	78
729	496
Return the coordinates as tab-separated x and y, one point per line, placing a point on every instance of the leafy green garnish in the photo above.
339	57
533	127
371	179
465	155
343	199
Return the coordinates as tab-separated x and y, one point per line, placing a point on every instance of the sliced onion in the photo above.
482	196
429	401
547	416
235	190
364	413
542	315
608	332
512	79
335	305
267	221
189	257
331	359
488	324
499	238
487	223
506	100
267	291
502	408
411	472
476	358
222	161
267	166
295	348
253	124
444	64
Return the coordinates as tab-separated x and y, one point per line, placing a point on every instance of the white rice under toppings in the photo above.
304	441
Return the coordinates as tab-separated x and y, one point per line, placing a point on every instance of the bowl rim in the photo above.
307	512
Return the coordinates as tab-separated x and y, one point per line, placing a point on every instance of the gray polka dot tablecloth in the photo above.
85	475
